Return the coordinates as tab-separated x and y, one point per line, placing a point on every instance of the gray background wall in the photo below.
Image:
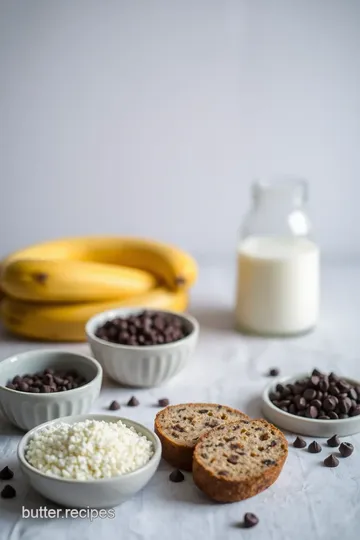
151	117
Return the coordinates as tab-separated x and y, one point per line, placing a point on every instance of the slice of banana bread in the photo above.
180	426
236	461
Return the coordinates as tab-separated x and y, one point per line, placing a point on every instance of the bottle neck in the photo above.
285	195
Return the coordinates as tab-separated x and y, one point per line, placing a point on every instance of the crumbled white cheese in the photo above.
88	450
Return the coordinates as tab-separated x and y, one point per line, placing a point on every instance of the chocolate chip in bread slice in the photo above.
180	426
239	460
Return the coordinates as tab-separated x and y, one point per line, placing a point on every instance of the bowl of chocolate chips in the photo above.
140	347
317	404
41	385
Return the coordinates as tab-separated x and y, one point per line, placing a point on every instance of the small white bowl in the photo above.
102	493
306	426
141	366
26	410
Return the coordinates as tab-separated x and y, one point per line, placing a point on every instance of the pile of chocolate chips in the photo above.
144	329
47	381
321	396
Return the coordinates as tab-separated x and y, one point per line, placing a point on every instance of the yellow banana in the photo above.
174	267
72	281
67	322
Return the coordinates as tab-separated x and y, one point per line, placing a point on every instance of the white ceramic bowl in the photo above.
103	493
26	410
141	366
306	426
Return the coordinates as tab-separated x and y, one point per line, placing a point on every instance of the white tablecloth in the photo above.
308	501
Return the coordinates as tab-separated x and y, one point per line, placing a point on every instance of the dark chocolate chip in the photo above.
312	412
114	406
233	459
343	386
314	448
333	415
334	441
309	394
6	474
345	405
334	391
133	402
8	492
299	443
323	385
316	403
273	372
329	404
163	402
346	449
268	462
250	520
355	411
352	393
223	473
331	461
315	379
316	373
176	476
300	402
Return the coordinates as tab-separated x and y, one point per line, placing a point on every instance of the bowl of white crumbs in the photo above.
93	460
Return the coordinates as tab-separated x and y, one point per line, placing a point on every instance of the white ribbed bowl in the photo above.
141	366
26	410
102	493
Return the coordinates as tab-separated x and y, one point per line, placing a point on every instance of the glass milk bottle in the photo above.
278	263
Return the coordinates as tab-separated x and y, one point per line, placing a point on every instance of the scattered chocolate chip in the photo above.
346	449
334	441
176	476
233	459
299	443
273	372
314	448
163	402
223	473
6	474
250	520
8	492
114	406
133	402
331	461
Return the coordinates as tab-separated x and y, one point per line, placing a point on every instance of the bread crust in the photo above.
228	490
178	454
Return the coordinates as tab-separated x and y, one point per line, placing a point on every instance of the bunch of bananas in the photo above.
52	289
